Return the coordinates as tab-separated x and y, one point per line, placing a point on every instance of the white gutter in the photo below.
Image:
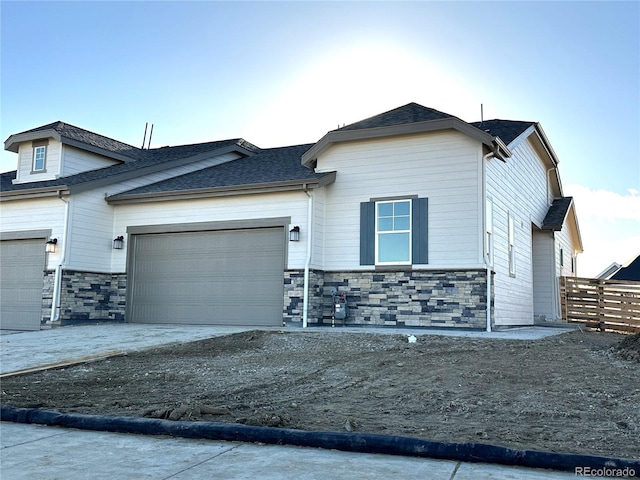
486	253
57	280
305	301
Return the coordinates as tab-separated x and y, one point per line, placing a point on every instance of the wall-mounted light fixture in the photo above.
294	234
50	246
118	243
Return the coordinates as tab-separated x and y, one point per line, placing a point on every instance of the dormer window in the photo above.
39	157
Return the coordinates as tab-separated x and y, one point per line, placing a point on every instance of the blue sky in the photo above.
284	73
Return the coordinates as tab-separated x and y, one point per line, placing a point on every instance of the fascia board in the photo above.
405	129
12	143
154	168
221	191
34	193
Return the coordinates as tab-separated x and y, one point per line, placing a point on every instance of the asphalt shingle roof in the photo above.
269	166
410	113
151	157
556	214
90	138
507	130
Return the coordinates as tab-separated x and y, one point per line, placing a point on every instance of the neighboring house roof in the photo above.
274	168
610	270
630	272
154	160
408	119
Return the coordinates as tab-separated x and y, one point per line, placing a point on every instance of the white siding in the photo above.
245	207
36	214
545	288
319	201
517	188
443	166
91	227
25	163
75	161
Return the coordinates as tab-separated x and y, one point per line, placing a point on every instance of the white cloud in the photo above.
610	227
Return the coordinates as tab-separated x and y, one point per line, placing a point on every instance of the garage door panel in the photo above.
228	277
21	282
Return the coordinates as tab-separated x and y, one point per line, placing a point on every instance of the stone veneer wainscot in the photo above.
396	298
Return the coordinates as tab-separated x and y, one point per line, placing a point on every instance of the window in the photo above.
512	247
39	156
561	257
393	231
489	233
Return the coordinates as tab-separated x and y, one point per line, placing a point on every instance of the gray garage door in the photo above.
21	281
232	277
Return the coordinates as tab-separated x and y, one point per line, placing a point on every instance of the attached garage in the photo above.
221	277
22	264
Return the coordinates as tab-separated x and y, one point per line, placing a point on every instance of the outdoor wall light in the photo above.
50	246
118	243
294	234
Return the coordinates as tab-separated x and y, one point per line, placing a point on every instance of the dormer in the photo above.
59	150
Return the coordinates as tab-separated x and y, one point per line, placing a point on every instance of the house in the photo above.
418	217
621	272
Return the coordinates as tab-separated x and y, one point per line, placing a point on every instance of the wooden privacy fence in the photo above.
612	305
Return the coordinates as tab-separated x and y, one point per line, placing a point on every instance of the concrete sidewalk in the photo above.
20	350
34	451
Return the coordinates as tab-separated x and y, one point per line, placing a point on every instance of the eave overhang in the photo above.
571	220
54	191
495	144
226	191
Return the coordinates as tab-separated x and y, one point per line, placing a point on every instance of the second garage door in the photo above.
230	277
21	281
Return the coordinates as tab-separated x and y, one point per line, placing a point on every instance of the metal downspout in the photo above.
57	279
486	254
305	297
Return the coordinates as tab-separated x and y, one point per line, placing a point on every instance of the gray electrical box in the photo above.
339	300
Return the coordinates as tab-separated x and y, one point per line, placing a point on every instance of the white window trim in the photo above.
377	233
489	231
44	159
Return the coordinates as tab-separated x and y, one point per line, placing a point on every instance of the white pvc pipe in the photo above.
57	279
487	261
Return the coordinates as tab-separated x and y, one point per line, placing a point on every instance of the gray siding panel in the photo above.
21	282
230	277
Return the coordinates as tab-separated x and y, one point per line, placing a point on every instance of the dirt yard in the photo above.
576	392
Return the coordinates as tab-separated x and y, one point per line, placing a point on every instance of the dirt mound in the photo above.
629	348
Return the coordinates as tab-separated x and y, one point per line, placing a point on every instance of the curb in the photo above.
349	442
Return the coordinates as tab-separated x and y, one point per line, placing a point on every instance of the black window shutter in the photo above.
419	229
367	233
